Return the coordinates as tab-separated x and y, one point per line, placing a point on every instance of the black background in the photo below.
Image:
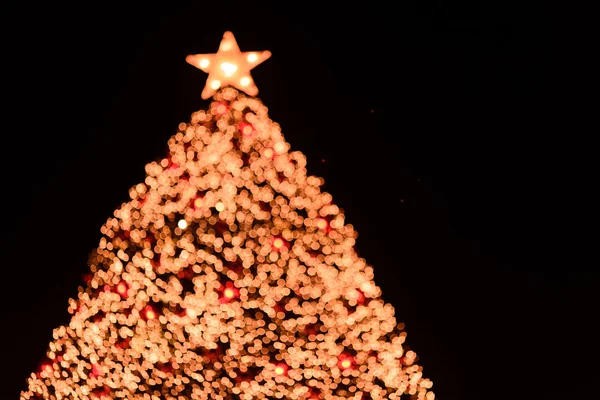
451	135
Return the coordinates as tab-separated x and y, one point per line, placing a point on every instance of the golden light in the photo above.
245	81
268	152
229	67
204	63
280	148
191	313
205	312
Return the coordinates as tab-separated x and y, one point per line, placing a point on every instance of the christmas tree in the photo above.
229	274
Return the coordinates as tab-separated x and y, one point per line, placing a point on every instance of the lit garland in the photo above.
229	275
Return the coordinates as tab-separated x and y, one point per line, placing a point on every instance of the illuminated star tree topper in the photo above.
228	67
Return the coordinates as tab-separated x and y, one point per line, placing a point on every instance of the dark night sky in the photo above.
463	112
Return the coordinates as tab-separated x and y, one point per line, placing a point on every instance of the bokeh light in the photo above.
322	223
229	273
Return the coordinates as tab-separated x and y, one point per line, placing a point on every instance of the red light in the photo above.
123	343
278	243
281	369
346	362
198	201
246	128
221	109
96	371
322	224
229	293
122	289
46	367
149	313
101	393
58	357
360	299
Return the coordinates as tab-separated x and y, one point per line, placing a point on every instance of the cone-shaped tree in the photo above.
229	274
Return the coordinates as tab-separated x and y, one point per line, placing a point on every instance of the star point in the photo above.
228	67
